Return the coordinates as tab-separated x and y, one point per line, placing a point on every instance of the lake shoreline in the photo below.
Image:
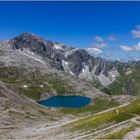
66	101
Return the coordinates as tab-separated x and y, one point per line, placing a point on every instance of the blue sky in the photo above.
107	29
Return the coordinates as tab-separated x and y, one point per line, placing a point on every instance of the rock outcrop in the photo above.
74	61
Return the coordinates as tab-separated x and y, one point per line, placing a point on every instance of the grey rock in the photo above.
74	61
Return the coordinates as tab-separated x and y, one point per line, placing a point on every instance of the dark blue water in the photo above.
66	101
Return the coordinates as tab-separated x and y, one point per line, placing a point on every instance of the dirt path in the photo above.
102	130
59	124
132	135
45	128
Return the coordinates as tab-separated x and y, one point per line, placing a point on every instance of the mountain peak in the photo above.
28	35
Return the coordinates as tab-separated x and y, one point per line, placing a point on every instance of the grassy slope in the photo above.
18	77
138	137
103	120
116	87
97	105
120	133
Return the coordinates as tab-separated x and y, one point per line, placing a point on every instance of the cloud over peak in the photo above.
94	51
100	45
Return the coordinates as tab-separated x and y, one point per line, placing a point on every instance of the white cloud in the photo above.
136	33
99	39
112	38
129	49
100	45
138	27
126	48
94	51
137	47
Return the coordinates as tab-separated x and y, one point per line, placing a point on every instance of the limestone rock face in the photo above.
77	62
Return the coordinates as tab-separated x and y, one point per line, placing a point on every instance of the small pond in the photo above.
66	101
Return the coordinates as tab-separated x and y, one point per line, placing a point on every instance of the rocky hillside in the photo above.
31	56
35	67
18	111
32	69
129	80
74	61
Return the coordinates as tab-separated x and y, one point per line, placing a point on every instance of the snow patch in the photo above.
85	73
57	46
25	86
83	70
71	73
65	65
65	62
113	75
30	55
67	53
34	58
41	86
53	55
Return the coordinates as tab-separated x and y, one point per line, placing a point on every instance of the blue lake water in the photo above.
66	101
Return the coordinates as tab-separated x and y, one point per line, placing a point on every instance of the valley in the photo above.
33	69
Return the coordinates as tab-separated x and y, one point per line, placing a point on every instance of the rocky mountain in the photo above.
31	52
31	69
74	61
129	80
38	68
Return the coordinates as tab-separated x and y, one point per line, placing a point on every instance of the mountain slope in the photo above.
40	68
33	69
71	60
17	112
128	82
37	54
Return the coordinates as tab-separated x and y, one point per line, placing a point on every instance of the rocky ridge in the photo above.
74	61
